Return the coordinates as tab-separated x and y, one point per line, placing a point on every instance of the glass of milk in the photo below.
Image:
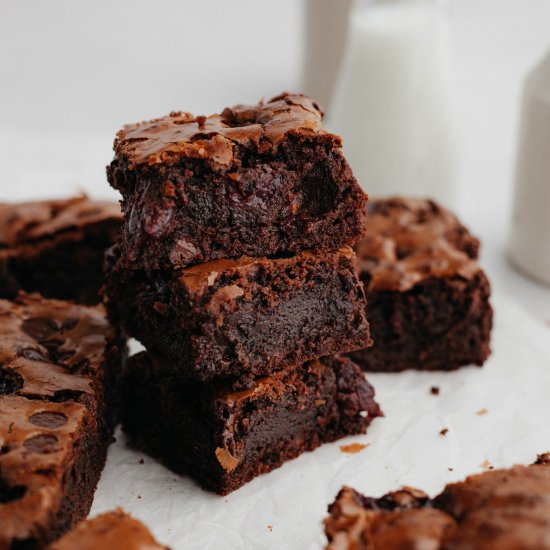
393	103
529	247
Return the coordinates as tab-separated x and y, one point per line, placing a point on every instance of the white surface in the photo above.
394	100
404	448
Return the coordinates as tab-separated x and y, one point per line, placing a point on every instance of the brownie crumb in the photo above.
543	458
434	390
353	447
481	412
487	465
450	469
444	431
270	527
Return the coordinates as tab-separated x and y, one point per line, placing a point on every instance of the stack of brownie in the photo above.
236	273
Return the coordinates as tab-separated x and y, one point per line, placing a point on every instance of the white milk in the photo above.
530	238
392	103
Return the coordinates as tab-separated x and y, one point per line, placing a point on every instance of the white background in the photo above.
73	71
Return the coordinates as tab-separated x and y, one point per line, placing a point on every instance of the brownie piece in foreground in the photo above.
223	438
56	247
243	318
498	509
255	180
114	530
428	299
59	365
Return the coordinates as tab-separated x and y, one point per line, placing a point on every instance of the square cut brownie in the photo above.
243	318
498	509
56	247
428	299
59	365
114	530
255	180
223	438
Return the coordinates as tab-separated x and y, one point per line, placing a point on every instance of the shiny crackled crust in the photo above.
111	530
216	138
58	368
27	223
255	180
411	240
504	509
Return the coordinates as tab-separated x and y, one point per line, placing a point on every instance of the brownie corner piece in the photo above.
224	437
255	180
427	297
56	247
243	318
59	368
108	531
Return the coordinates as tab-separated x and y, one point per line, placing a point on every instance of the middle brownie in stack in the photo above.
235	271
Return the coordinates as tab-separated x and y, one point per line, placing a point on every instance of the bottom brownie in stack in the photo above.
224	438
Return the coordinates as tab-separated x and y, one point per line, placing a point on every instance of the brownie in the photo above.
256	180
428	298
114	530
243	318
498	509
222	437
56	247
59	365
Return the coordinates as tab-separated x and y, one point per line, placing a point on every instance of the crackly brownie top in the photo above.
214	137
51	352
410	240
115	529
27	222
49	348
505	509
37	441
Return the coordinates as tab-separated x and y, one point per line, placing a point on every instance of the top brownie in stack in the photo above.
260	180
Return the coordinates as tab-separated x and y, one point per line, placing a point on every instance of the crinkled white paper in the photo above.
498	415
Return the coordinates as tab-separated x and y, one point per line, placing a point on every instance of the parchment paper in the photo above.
498	415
